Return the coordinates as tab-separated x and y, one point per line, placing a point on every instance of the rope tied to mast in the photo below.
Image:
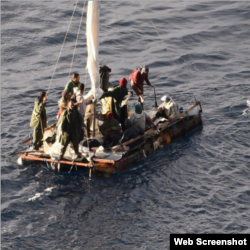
62	47
66	35
79	28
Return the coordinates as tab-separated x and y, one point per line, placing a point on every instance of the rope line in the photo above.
123	55
62	47
79	28
165	45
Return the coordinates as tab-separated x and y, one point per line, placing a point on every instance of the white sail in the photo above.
92	34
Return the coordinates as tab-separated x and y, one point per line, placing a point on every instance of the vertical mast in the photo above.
92	34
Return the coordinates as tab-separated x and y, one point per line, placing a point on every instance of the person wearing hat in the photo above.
137	78
140	118
168	109
117	95
111	130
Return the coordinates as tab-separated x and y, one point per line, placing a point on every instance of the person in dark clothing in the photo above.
131	132
111	131
72	122
104	77
118	94
39	119
62	103
72	86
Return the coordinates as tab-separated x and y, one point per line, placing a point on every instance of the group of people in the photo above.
119	124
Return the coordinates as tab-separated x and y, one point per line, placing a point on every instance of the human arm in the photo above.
147	81
107	94
79	100
150	121
68	89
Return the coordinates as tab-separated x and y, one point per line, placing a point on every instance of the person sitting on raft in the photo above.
111	130
131	132
141	118
168	109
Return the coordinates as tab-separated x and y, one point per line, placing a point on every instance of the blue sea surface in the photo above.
198	184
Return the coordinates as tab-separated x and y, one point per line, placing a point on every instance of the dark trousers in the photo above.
66	139
37	137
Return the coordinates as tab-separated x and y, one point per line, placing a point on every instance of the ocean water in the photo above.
198	184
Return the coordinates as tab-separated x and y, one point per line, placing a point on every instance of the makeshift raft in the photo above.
117	159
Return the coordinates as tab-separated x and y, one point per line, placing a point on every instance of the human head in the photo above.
71	103
76	77
138	108
166	98
81	87
123	82
145	69
43	96
65	94
109	115
128	123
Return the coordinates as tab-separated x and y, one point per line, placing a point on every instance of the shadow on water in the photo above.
163	157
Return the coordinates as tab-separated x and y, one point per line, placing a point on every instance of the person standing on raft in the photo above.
39	120
137	78
117	95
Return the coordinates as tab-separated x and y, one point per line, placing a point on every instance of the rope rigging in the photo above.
66	35
62	46
77	39
123	55
165	45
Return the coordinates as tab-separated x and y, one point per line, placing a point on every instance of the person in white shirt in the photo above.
140	118
168	109
81	104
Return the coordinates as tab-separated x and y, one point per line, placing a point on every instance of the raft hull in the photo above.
169	134
151	143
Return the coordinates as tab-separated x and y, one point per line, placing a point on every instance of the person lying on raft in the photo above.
131	132
168	109
111	130
141	119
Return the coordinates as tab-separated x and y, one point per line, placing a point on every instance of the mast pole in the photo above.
94	118
92	33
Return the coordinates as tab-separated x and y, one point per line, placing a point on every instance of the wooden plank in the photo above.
103	160
48	128
34	158
25	152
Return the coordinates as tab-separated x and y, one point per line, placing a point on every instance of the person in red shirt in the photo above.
137	78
